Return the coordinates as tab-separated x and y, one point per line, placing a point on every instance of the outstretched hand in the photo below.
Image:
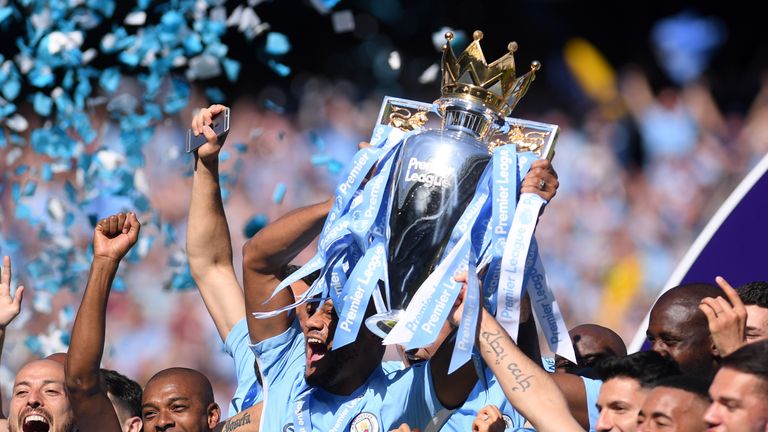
727	318
115	235
9	306
541	180
201	124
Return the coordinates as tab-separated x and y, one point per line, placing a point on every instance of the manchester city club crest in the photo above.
365	422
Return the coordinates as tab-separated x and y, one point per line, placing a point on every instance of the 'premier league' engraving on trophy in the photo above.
438	168
435	180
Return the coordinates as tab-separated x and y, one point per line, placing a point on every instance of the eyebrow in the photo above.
169	401
45	383
179	398
657	414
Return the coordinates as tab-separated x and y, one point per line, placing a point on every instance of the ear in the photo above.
133	424
214	415
713	349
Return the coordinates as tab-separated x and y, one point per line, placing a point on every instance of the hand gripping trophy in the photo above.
442	198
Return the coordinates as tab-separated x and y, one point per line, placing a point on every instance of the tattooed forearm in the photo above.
494	339
236	423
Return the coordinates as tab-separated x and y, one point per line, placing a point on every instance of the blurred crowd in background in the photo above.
649	148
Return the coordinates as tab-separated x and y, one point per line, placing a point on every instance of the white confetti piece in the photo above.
394	60
137	18
430	74
343	21
60	41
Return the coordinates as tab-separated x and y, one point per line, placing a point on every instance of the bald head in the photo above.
39	400
194	380
592	343
184	397
677	328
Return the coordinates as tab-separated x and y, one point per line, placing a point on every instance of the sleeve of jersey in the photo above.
237	346
280	357
592	389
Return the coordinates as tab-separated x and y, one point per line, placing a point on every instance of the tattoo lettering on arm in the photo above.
237	423
494	342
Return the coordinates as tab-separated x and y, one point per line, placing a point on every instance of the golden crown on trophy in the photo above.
494	85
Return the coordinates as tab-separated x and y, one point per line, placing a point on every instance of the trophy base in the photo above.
381	324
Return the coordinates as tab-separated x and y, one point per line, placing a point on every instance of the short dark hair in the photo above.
754	293
645	367
309	279
687	383
126	393
751	359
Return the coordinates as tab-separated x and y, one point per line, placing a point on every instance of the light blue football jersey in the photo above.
487	391
382	403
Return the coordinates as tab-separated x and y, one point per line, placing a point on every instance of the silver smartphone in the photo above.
220	125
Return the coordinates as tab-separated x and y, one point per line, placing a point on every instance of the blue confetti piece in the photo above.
22	212
41	76
34	345
42	104
11	87
279	193
169	233
7	109
71	192
279	68
224	156
16	191
21	170
65	337
320	159
119	284
317	140
214	94
255	224
5	12
67	314
241	148
130	58
277	43
335	167
272	106
181	280
231	68
29	188
110	79
192	45
69	219
47	173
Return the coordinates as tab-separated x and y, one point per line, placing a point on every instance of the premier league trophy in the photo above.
438	168
437	193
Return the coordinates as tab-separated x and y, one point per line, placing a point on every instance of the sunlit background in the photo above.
663	108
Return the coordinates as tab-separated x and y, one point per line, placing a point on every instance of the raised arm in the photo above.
265	256
10	306
112	239
526	385
209	246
